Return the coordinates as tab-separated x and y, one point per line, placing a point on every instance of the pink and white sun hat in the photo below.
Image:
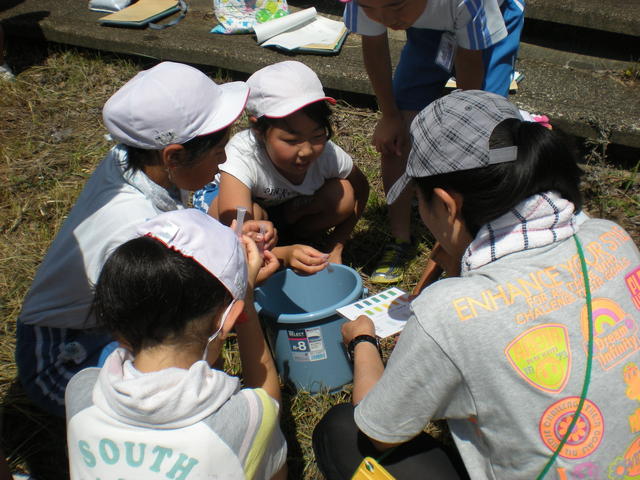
171	103
198	236
283	88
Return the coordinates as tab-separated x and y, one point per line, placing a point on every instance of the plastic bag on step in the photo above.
239	16
109	6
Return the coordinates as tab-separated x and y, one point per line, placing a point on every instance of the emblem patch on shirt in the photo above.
542	356
626	466
615	332
587	432
633	284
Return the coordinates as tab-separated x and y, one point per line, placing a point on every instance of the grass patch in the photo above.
51	139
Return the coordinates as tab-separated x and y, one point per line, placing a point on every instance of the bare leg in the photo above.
399	211
329	206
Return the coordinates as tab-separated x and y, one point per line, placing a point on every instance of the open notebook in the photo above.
302	32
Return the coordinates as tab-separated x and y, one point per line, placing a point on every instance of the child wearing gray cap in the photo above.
532	353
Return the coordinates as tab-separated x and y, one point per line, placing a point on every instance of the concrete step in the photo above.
588	96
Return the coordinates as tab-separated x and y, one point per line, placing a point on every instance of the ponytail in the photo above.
545	162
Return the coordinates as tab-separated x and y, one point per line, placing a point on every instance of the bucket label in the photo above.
306	345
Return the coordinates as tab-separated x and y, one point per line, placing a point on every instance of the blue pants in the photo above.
418	80
47	358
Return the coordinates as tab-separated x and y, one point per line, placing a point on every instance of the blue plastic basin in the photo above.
299	314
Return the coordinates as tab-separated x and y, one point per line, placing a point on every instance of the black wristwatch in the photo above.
359	339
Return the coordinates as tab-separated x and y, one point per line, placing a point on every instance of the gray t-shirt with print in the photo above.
501	354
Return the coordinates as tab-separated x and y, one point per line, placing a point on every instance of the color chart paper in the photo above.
389	311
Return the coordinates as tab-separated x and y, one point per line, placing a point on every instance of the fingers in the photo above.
362	325
270	265
254	259
307	259
262	231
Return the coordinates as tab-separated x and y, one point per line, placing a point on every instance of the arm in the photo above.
367	364
390	135
343	230
258	368
233	194
469	69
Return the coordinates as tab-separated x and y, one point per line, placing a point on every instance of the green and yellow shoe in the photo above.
394	260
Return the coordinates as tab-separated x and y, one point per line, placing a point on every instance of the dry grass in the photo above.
51	138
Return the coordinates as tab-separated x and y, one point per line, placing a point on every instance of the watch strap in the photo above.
359	339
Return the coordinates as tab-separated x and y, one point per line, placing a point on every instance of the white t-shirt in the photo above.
248	161
476	25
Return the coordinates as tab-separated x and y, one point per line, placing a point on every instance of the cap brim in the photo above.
232	102
289	109
398	188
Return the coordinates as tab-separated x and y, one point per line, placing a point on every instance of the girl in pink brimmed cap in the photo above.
286	169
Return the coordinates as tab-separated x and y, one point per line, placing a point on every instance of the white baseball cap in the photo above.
283	88
171	103
198	236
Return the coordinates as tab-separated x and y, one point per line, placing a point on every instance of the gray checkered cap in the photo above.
452	134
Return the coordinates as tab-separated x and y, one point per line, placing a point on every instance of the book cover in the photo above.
141	13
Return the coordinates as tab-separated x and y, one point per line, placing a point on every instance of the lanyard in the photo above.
587	374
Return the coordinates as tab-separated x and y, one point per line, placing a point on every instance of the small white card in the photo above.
389	310
446	51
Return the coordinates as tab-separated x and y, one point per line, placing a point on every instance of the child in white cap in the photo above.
171	124
286	168
157	408
531	354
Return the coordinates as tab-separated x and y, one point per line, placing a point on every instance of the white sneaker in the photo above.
6	73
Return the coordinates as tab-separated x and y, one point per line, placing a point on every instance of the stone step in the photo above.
588	96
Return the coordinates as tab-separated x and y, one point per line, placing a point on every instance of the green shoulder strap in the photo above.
587	374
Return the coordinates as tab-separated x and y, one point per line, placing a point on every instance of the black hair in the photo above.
319	112
545	162
138	158
148	293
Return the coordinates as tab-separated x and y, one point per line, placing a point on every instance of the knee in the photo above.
332	426
337	198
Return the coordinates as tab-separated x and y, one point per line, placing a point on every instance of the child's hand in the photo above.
262	232
391	136
260	265
305	259
362	325
270	265
335	256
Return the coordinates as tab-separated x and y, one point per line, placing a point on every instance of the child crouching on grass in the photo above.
157	408
286	169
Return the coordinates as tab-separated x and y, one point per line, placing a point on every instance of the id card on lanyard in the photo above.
446	51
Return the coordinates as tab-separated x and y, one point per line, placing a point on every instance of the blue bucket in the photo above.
300	319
